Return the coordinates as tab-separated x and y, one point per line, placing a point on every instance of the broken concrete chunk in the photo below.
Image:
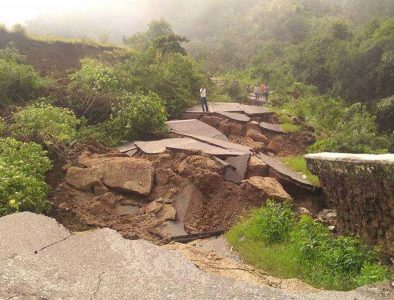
83	179
128	174
241	166
270	187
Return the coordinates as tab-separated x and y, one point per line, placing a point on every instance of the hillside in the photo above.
53	58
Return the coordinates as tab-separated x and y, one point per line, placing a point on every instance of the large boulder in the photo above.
83	179
120	173
129	175
266	187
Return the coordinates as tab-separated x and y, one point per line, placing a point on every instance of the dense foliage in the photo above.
22	170
19	82
93	90
46	121
273	239
138	117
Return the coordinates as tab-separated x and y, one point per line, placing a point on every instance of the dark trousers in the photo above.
204	103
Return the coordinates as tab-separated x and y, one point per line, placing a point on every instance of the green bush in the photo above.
22	170
47	121
20	192
19	82
356	132
271	239
385	115
139	116
93	90
27	157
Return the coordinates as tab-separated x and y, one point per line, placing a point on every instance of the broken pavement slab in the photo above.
272	127
241	166
191	145
238	117
195	127
278	170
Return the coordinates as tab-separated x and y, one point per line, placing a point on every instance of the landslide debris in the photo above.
156	197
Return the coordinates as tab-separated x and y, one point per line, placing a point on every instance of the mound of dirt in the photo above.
167	195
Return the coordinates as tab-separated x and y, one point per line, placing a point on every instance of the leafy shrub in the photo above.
138	117
27	157
19	82
93	89
22	170
46	121
174	77
20	192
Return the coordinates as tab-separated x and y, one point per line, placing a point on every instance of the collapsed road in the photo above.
195	182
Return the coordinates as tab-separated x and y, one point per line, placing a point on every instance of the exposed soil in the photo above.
188	188
216	263
51	58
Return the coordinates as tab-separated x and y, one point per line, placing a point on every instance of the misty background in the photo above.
197	19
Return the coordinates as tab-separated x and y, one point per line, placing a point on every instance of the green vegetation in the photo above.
3	127
19	82
139	117
298	164
46	121
22	170
272	239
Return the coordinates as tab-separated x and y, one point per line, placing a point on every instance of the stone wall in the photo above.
361	189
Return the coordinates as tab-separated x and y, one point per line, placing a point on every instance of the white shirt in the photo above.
203	92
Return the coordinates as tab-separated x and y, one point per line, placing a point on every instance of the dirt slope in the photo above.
51	58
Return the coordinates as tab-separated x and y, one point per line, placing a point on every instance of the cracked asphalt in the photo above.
39	259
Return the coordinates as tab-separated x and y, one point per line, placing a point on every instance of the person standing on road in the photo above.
262	90
266	92
203	98
257	92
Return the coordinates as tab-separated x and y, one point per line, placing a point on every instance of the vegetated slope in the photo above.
50	58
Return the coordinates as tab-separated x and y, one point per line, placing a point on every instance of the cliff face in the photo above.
361	189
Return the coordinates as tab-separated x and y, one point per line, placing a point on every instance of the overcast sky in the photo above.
20	11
